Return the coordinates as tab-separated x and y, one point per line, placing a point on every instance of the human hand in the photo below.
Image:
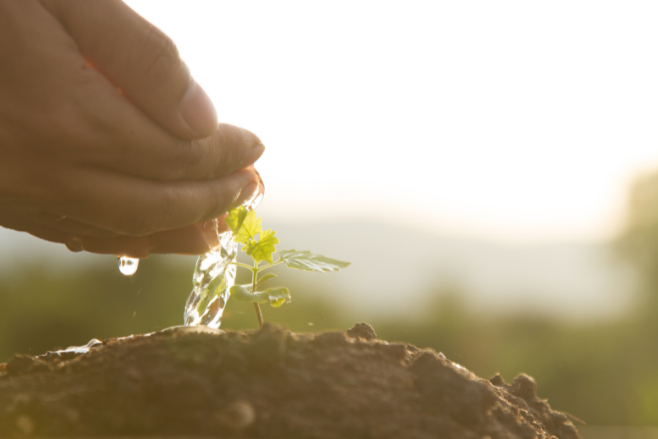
106	143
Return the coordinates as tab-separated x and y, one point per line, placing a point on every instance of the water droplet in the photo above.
128	266
255	202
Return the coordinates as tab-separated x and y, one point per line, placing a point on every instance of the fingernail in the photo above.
261	186
253	154
248	192
208	231
198	111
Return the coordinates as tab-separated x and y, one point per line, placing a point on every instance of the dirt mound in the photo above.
266	384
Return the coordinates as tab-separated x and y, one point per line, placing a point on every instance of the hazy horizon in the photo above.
401	269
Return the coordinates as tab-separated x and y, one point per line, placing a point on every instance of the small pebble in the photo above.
238	416
362	330
25	425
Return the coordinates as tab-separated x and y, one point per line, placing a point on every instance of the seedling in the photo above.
261	246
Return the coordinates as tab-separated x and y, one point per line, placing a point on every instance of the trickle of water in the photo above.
128	266
77	349
213	276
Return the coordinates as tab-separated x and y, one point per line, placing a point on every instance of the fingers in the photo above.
70	226
142	61
139	207
23	224
185	241
127	143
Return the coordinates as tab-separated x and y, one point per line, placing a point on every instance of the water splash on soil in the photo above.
73	351
77	349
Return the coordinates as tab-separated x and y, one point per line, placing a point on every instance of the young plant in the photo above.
261	246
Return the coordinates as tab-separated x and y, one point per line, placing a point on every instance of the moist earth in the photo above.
269	383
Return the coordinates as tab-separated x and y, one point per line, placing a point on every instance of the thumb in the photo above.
141	60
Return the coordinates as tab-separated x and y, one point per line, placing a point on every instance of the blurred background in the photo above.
489	168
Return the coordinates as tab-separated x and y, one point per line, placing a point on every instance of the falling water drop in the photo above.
128	266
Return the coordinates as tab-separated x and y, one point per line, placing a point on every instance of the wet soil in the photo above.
266	384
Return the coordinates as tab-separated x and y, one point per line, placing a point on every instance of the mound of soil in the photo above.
266	384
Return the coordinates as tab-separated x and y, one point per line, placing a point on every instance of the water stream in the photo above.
213	276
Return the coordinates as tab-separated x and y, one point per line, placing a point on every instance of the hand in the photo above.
106	142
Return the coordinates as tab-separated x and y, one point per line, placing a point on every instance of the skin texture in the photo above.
106	142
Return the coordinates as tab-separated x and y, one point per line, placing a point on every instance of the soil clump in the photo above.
269	383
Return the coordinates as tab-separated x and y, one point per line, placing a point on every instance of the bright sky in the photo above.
511	120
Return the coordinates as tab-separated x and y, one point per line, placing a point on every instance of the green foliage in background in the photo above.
638	243
605	373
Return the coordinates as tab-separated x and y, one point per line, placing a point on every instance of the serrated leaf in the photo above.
262	249
266	277
251	226
307	261
235	218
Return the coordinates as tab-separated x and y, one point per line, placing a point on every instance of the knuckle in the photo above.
69	127
190	160
230	149
213	157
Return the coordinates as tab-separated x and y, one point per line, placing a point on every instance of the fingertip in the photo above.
185	241
132	247
221	223
253	154
208	230
74	244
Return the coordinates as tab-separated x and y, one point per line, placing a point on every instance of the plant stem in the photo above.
269	265
259	314
240	264
254	279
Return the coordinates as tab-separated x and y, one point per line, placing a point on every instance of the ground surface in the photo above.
266	384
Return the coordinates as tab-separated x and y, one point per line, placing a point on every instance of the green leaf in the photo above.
251	226
242	293
277	296
261	297
235	218
266	277
262	249
305	260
